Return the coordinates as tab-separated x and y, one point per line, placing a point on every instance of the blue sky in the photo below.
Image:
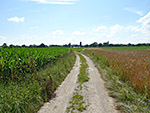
71	21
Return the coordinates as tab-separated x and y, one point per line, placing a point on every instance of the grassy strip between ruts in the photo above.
77	102
128	101
29	95
82	77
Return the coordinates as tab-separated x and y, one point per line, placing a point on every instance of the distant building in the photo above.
80	44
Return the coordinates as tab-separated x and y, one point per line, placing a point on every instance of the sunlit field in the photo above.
29	76
134	65
127	75
16	62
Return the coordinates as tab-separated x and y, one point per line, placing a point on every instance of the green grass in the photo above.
77	102
128	101
78	49
82	77
28	95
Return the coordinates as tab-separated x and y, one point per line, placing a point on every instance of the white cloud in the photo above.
101	29
134	11
132	28
16	19
108	32
145	21
67	2
144	29
58	32
115	29
123	34
28	37
78	33
3	38
134	35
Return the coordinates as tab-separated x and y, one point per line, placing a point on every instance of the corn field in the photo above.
16	62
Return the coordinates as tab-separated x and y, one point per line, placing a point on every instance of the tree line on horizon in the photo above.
95	44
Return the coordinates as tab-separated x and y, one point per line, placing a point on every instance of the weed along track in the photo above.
96	94
82	91
78	102
63	93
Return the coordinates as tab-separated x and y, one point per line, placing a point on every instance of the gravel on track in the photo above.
95	94
63	93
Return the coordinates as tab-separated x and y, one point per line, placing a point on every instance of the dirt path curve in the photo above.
63	93
96	93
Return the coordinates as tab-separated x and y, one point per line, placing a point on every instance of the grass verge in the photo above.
28	96
128	101
77	102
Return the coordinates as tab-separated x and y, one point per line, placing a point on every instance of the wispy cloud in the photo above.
16	19
65	2
115	29
134	11
145	21
132	28
108	32
3	38
27	37
78	33
58	32
101	29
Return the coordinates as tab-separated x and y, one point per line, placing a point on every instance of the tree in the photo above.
86	45
11	45
106	43
24	46
4	45
95	44
42	45
100	44
69	45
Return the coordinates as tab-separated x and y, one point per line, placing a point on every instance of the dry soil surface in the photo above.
96	94
63	93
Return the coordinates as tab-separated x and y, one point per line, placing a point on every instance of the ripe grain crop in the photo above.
132	65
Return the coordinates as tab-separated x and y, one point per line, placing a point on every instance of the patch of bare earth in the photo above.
96	94
63	93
